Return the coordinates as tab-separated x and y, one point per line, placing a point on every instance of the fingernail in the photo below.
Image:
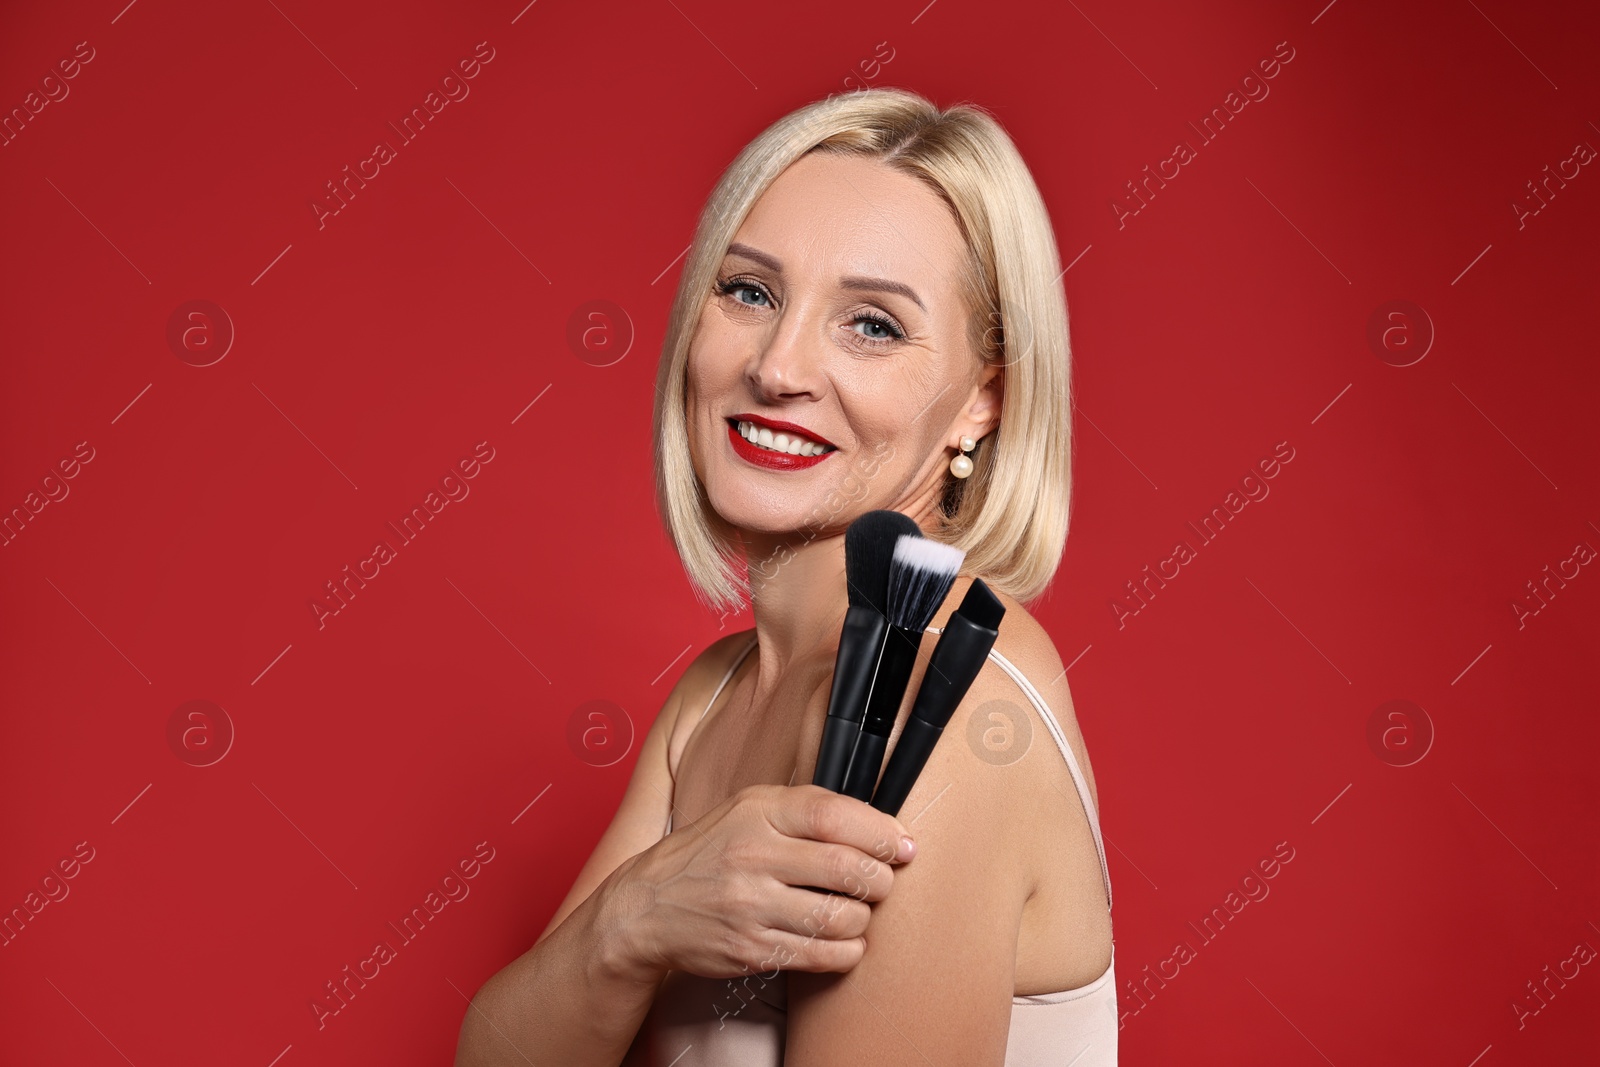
908	848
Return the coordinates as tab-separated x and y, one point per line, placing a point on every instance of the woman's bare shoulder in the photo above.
1030	648
1025	643
697	683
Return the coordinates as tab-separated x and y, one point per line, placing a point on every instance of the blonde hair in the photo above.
1011	514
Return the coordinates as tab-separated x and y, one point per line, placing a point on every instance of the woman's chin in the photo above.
758	513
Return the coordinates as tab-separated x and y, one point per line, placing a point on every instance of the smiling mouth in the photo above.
782	441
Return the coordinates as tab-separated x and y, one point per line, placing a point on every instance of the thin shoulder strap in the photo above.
727	677
715	694
1066	750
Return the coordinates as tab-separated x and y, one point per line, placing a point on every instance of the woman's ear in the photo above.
982	413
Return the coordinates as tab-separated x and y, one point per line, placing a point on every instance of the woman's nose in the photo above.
788	361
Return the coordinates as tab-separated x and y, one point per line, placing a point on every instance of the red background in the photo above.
369	355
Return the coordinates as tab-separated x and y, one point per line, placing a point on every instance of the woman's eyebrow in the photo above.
881	285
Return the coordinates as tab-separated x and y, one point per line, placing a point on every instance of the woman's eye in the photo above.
735	287
878	330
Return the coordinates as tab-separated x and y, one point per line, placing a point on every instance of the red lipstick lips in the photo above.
766	457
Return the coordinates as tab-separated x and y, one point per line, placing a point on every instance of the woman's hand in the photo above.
726	896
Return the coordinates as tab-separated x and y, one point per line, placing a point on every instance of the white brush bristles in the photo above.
920	578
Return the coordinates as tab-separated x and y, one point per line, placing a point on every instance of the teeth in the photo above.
793	444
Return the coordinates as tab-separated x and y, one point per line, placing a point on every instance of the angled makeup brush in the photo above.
869	545
920	577
956	661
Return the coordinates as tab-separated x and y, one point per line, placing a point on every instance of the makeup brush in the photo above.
869	545
957	658
920	577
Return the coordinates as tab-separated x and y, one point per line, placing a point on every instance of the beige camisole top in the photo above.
714	1022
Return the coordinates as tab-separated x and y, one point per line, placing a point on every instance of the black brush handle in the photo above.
860	645
911	754
888	690
957	658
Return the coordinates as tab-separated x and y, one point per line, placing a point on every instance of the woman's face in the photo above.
835	315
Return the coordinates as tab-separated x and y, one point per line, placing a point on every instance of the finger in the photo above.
829	868
829	916
812	812
794	952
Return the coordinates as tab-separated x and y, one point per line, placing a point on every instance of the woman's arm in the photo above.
936	981
574	997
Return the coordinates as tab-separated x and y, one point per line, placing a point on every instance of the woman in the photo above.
870	317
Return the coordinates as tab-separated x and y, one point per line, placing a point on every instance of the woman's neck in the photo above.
799	594
798	597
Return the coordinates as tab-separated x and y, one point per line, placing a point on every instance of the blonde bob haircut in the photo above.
1011	514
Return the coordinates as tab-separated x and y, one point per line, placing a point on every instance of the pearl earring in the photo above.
961	465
